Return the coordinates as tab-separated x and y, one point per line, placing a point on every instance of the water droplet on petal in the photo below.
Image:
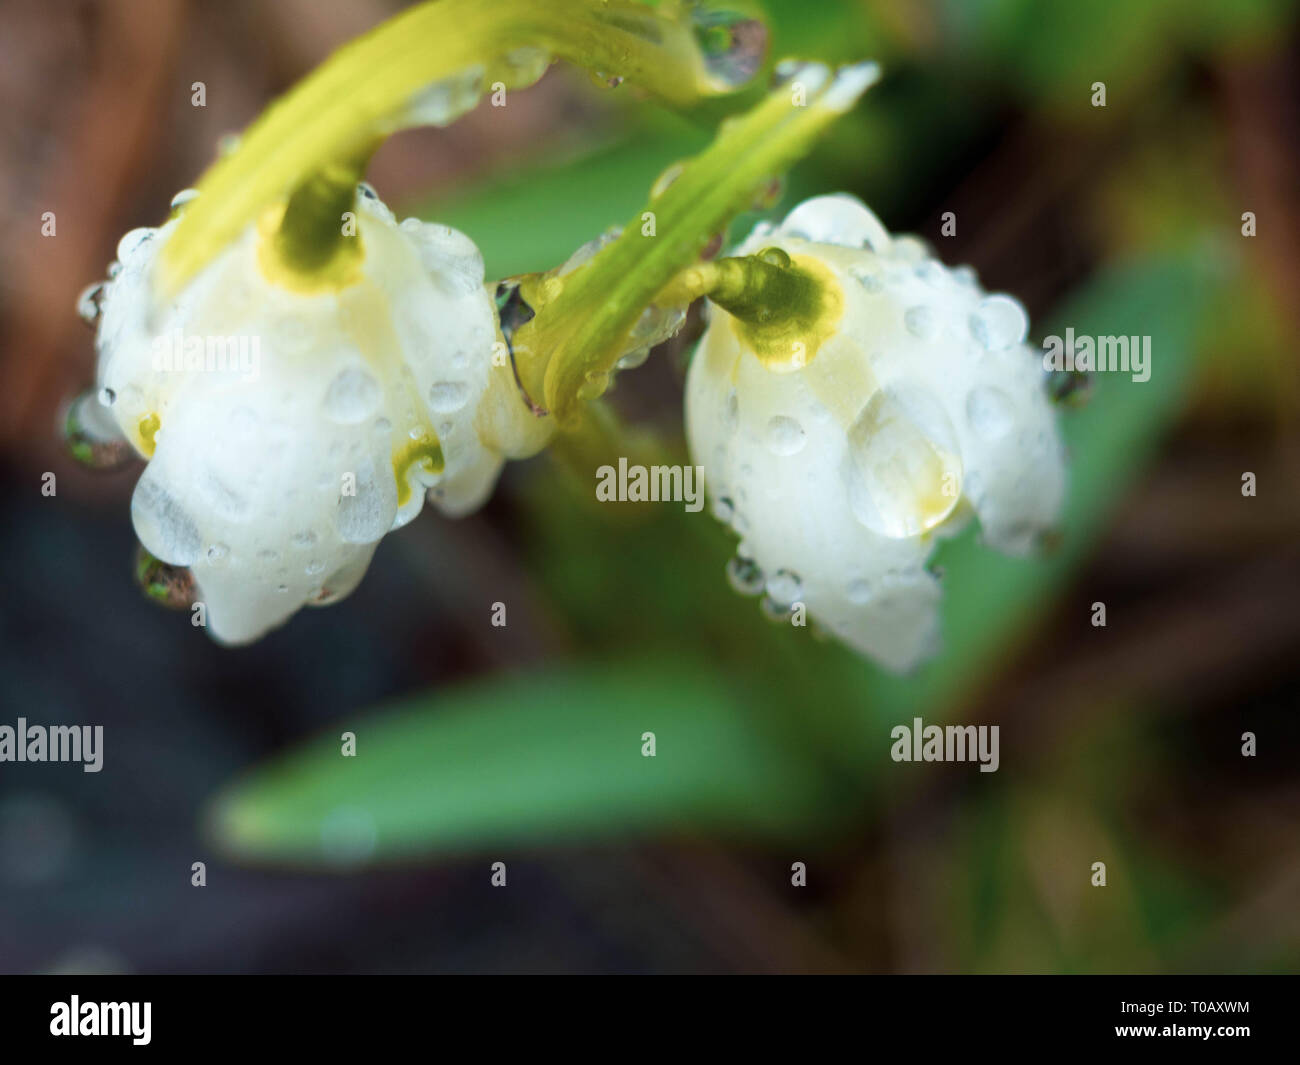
744	575
131	242
869	278
999	322
774	611
90	304
919	321
447	397
903	471
724	509
909	249
784	587
353	396
183	197
217	554
785	436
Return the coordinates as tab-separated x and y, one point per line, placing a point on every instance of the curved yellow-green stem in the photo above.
577	336
360	94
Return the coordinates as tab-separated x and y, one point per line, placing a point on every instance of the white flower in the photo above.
288	431
839	467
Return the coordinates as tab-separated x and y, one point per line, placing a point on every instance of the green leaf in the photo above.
522	758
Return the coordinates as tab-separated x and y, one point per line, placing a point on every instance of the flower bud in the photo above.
288	426
842	451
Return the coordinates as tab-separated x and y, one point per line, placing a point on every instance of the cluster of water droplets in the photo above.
90	433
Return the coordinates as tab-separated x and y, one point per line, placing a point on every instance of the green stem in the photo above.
576	338
366	89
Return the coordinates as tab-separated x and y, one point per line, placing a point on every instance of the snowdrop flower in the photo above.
841	452
288	429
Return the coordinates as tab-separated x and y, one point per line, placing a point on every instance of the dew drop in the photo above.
909	249
869	279
919	321
785	436
132	240
724	509
999	322
90	304
441	103
784	587
671	174
447	397
352	396
903	472
931	273
634	358
744	575
733	45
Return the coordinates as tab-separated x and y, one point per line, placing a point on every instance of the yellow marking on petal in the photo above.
426	453
146	430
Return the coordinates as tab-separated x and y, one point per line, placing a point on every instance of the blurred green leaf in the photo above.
521	758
